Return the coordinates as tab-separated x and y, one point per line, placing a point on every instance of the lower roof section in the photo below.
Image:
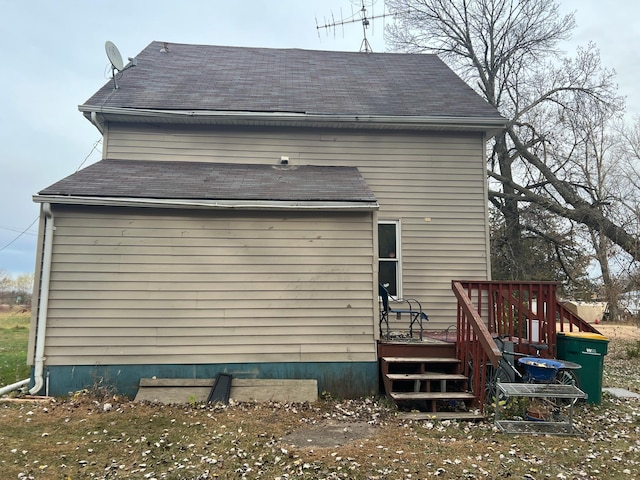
212	185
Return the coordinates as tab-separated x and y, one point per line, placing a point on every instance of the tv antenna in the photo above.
113	54
360	16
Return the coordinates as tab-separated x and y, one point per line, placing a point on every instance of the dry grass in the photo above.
106	437
620	370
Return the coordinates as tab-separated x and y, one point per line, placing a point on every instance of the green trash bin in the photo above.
588	350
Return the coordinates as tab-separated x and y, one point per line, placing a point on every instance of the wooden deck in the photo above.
437	368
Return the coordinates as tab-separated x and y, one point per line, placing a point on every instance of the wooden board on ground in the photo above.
190	390
174	390
265	390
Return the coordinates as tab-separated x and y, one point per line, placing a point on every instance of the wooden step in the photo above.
420	360
426	376
441	416
431	395
424	371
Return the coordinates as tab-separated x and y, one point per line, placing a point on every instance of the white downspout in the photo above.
14	386
44	298
96	122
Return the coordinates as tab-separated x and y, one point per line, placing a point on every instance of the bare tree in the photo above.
593	150
549	253
23	287
5	286
16	289
628	183
509	51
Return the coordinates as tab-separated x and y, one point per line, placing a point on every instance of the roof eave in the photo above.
206	204
98	115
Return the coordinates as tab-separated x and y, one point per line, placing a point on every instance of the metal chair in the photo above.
409	306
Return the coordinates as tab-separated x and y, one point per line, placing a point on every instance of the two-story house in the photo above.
248	204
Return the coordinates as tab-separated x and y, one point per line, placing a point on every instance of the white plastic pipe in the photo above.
14	386
96	122
44	298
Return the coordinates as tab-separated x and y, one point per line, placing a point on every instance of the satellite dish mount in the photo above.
113	54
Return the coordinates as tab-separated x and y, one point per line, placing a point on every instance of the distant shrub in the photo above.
634	350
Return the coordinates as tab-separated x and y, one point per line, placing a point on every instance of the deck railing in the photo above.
527	312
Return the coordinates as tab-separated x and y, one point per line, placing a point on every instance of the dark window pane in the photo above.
387	240
387	274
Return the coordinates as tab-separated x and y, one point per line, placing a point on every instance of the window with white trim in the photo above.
389	256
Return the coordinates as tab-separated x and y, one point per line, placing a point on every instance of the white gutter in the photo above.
195	203
44	299
217	116
14	386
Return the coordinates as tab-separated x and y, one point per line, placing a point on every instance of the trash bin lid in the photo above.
585	336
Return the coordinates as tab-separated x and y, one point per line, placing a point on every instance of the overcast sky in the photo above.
52	59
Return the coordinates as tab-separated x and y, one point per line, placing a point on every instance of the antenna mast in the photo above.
365	46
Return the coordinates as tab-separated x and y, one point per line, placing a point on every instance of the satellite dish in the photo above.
114	56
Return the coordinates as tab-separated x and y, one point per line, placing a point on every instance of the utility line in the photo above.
14	230
95	146
19	235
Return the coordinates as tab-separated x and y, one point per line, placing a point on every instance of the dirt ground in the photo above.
329	434
619	331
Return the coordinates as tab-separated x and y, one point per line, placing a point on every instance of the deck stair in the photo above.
427	387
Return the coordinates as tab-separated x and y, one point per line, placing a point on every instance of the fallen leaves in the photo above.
350	439
251	441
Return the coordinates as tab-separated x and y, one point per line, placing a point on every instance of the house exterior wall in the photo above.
433	183
173	292
592	312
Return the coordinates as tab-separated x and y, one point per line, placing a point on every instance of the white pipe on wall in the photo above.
14	386
44	298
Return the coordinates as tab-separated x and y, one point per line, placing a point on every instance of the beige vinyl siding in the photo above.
415	176
141	286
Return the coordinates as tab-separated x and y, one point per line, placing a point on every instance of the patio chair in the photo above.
405	306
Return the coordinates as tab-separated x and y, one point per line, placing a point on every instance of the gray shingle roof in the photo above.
218	78
214	181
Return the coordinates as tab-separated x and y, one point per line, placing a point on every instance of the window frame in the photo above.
398	253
